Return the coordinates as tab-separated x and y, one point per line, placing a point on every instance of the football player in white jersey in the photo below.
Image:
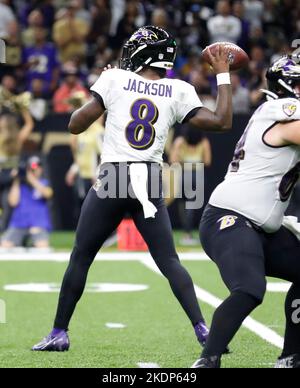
243	229
141	106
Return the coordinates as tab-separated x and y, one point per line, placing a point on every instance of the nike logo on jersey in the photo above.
149	88
227	221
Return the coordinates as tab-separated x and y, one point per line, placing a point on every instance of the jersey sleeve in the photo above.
102	87
282	110
187	102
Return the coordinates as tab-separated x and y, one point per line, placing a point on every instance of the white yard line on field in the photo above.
112	325
147	365
144	257
256	327
103	256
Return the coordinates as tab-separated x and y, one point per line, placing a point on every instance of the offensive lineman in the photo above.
244	230
141	105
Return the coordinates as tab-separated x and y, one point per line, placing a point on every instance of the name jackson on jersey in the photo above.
140	113
149	88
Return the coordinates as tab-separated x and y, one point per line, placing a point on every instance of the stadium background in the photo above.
267	29
264	33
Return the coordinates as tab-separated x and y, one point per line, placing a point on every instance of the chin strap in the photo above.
269	95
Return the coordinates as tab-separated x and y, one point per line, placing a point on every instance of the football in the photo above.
238	58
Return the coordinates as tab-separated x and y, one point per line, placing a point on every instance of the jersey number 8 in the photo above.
140	132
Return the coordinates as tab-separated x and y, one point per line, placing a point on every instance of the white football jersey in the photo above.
261	178
140	114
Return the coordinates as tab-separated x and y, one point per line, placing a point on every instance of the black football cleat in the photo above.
208	363
291	362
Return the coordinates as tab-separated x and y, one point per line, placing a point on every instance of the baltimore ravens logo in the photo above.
227	221
289	108
143	35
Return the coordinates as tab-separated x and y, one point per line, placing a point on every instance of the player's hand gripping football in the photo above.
219	60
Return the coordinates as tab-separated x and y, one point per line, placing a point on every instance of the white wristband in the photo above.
223	79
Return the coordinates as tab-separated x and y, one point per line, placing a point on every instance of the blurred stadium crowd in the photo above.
56	49
48	40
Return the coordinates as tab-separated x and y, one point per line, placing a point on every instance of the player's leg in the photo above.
157	232
98	219
236	248
282	261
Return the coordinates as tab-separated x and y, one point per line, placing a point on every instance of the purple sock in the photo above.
201	332
55	332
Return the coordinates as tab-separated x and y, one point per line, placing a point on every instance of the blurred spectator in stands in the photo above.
70	85
7	20
199	79
35	19
12	138
95	73
81	67
270	14
38	104
9	83
254	10
194	33
288	17
190	63
240	96
280	47
104	54
117	8
46	8
259	38
238	10
257	66
190	148
86	149
101	18
81	12
224	26
13	47
126	26
28	197
69	34
258	59
41	62
160	18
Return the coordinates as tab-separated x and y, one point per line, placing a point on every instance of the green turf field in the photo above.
156	331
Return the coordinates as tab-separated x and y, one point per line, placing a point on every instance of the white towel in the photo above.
292	224
139	179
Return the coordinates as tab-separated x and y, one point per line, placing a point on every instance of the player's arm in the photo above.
84	117
287	133
221	119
